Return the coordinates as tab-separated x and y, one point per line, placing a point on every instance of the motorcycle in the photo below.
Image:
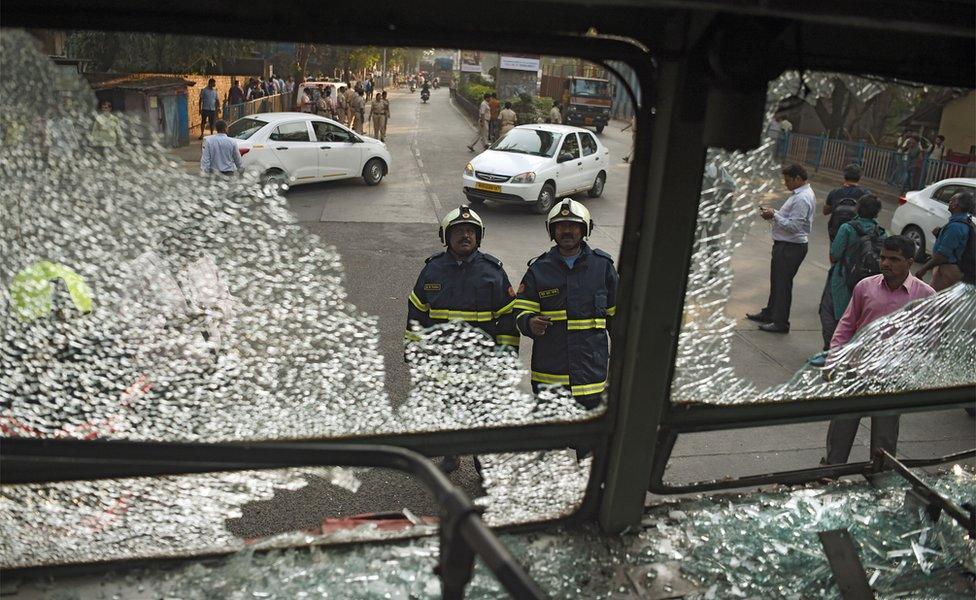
413	87
425	96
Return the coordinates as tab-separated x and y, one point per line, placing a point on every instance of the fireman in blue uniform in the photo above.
463	283
565	303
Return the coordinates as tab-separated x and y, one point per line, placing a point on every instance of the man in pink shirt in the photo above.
871	299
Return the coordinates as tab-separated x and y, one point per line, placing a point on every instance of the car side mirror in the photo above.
565	157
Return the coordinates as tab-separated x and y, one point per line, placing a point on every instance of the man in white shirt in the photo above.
791	228
484	117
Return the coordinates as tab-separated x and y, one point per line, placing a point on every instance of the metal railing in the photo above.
882	166
275	103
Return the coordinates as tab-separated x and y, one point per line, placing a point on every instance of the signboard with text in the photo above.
519	62
470	61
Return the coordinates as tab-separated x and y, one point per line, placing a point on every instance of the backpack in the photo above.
862	258
844	212
967	262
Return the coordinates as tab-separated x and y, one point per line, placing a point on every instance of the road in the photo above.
384	233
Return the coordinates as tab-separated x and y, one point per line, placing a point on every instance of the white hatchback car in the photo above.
295	148
920	212
536	164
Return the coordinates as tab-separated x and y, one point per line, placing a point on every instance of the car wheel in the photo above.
918	238
373	171
599	128
275	179
547	198
597	190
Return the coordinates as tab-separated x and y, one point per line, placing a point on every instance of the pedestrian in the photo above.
938	150
873	298
289	85
508	119
954	253
220	154
495	107
484	118
463	283
555	115
452	87
359	111
305	101
841	203
791	228
846	253
377	113
350	106
913	164
386	117
341	107
105	129
236	95
632	126
369	87
565	303
209	105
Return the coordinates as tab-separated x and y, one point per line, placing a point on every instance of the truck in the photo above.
586	101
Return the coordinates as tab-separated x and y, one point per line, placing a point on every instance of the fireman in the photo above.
463	283
565	303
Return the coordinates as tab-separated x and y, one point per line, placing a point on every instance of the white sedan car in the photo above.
536	164
920	212
295	148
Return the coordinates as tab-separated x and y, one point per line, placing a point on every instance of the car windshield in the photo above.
537	142
242	129
591	88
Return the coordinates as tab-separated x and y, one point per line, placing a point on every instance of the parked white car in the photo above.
534	165
920	212
295	148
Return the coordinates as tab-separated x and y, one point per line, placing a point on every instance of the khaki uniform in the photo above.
377	113
341	107
359	110
386	118
350	107
555	117
508	120
484	117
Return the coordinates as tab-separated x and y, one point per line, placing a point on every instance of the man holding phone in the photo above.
791	229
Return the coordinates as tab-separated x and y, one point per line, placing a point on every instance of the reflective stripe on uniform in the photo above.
576	324
555	315
411	336
415	300
590	388
508	340
527	305
506	309
611	311
460	315
525	312
549	378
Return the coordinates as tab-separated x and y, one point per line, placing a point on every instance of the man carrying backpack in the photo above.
854	255
841	204
954	253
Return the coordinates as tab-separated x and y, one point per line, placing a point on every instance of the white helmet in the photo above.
461	214
570	210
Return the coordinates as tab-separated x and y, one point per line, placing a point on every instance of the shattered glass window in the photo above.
824	122
159	517
141	300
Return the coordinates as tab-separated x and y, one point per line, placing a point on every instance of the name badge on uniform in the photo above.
432	287
549	293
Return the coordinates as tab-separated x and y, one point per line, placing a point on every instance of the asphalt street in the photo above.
384	233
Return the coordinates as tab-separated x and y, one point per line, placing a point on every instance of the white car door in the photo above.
592	157
340	155
570	167
297	154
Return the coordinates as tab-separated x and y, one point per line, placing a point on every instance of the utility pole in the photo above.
385	74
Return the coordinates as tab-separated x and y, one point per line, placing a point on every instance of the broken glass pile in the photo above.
757	545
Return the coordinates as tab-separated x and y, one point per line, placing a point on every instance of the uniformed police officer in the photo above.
565	303
463	283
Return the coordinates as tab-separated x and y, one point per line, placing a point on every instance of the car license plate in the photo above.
588	120
488	187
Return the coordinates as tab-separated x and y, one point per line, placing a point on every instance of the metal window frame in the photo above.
658	235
